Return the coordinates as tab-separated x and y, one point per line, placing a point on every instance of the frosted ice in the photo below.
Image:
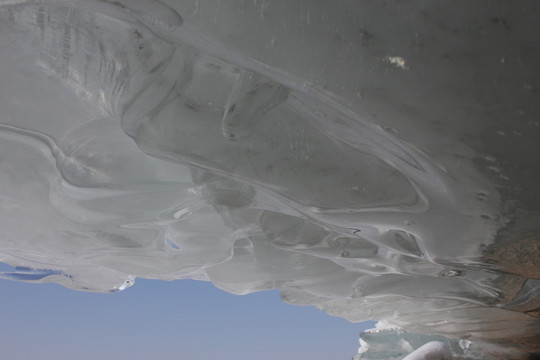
372	160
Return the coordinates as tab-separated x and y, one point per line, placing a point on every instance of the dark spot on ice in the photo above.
192	106
501	22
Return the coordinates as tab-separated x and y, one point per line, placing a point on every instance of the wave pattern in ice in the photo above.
247	177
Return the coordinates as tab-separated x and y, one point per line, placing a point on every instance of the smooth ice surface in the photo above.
434	350
391	343
357	173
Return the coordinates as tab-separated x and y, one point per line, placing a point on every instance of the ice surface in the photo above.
434	350
372	160
391	343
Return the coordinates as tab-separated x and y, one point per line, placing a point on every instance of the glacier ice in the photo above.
376	160
390	343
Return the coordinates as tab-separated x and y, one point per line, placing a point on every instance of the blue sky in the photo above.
154	319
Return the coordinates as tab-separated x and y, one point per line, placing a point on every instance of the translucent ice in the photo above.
334	154
434	350
398	344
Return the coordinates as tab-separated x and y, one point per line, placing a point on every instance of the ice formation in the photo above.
391	343
434	350
372	159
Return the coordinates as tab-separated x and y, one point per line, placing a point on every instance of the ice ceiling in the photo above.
378	160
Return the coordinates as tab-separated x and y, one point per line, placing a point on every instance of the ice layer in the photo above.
349	156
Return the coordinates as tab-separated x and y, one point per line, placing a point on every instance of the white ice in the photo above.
434	350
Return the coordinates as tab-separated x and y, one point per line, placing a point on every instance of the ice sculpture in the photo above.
376	160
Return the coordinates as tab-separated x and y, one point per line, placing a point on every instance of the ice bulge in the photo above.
378	161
